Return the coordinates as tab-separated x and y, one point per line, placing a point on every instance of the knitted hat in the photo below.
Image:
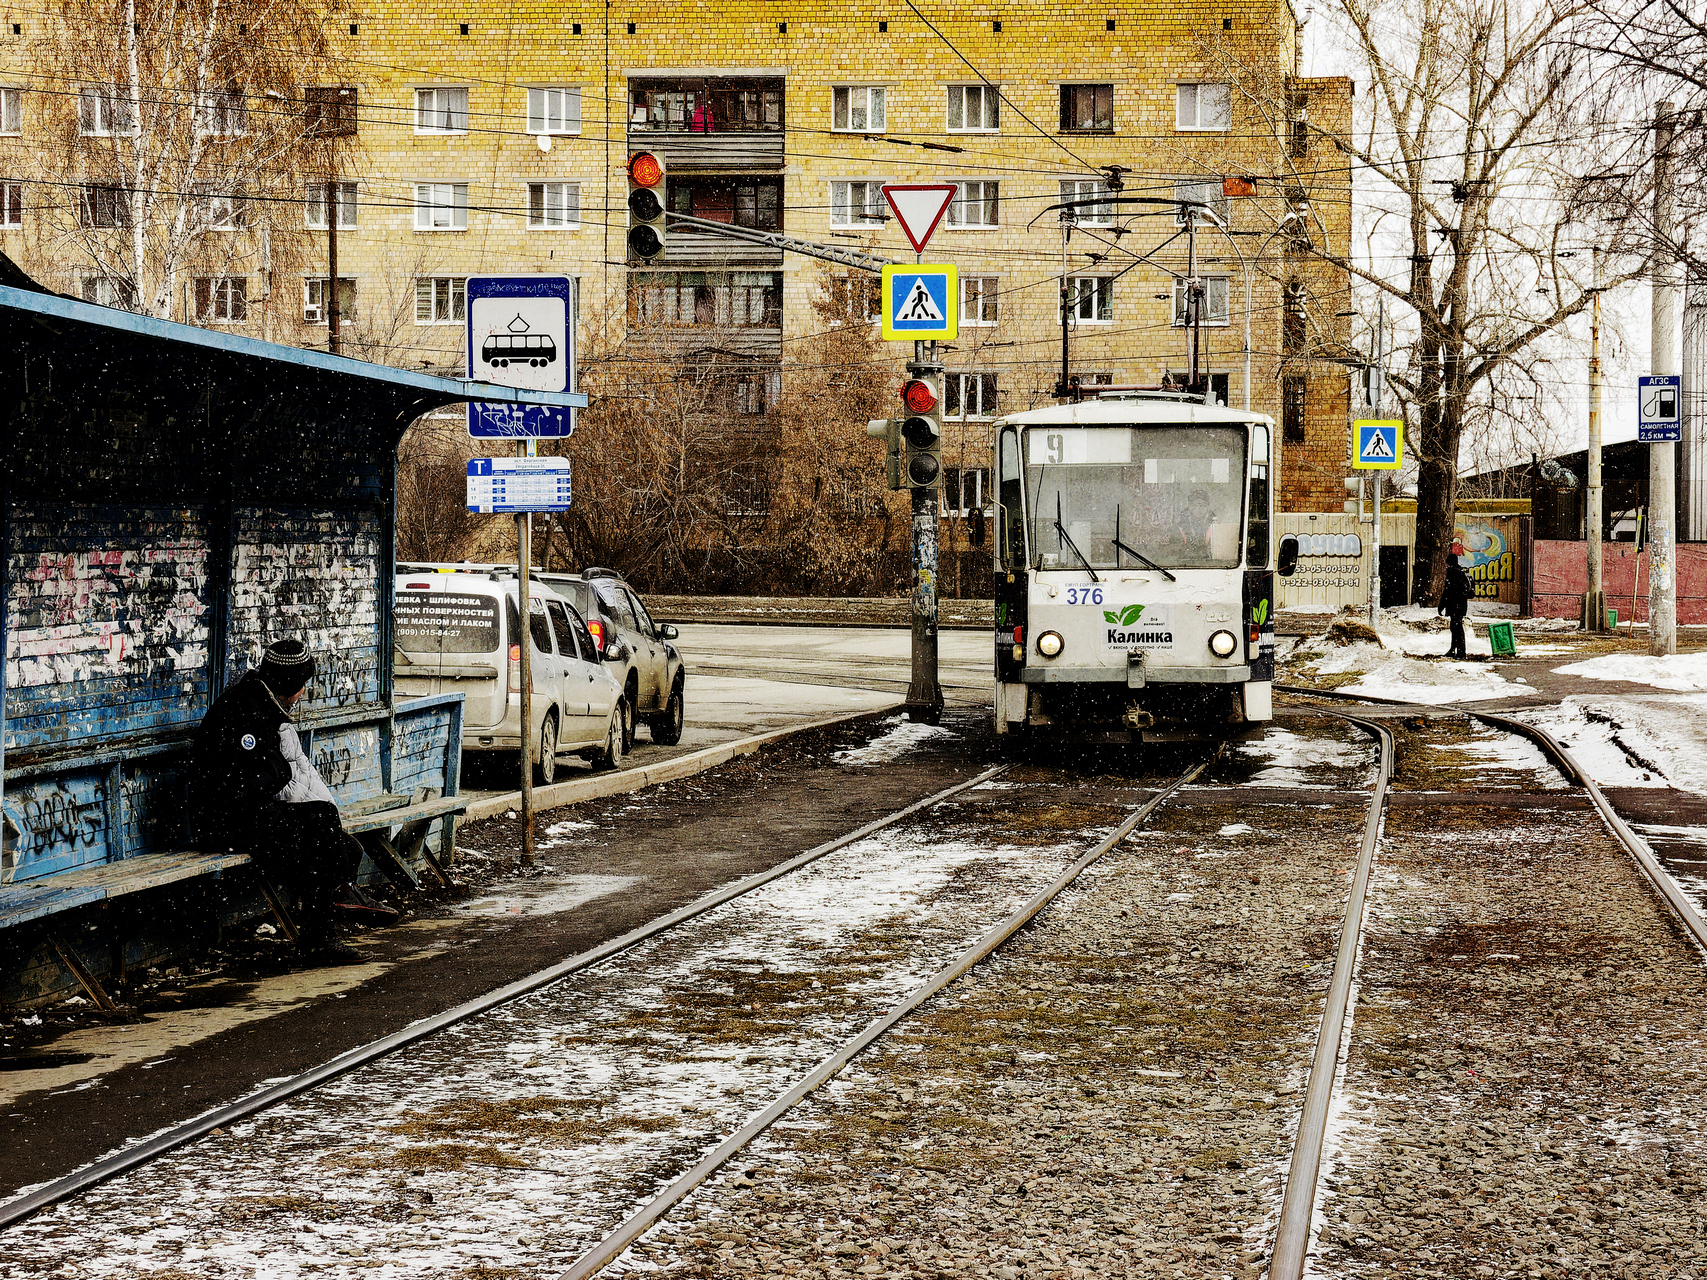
286	665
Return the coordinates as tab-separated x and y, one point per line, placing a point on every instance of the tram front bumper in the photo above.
1152	675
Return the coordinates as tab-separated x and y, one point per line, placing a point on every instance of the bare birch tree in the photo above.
177	145
1471	150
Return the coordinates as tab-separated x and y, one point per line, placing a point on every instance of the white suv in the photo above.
459	631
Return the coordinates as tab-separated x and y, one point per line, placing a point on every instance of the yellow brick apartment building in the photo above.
493	138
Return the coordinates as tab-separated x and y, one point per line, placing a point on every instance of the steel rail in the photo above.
1670	892
110	1166
1687	913
613	1245
1292	1236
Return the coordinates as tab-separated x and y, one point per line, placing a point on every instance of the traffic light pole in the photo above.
924	693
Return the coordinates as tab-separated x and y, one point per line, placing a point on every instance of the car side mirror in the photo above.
1288	564
615	652
667	632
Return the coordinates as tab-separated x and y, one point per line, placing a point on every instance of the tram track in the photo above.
272	1106
1216	1074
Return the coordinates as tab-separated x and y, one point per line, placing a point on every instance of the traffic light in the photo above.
922	430
645	206
888	430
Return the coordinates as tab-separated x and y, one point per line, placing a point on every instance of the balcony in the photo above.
708	123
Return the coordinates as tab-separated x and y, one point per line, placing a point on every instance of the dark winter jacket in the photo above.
236	765
1455	596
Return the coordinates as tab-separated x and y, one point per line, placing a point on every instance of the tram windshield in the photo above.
1115	497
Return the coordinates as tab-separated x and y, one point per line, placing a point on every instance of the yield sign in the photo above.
919	208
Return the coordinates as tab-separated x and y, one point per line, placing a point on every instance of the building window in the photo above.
743	202
1087	108
857	108
314	300
222	299
963	490
1209	192
554	110
1214	300
968	395
554	206
222	210
1298	118
1292	318
329	111
441	206
706	105
1203	106
11	204
754	393
973	108
441	111
222	114
104	111
855	298
103	207
1090	299
108	291
976	206
712	299
857	204
1088	215
1292	402
314	205
979	299
440	299
11	111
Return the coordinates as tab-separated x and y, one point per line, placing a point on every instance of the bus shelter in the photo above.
171	499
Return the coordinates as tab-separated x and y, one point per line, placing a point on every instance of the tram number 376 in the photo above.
1084	595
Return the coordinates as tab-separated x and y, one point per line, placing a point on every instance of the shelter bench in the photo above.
418	746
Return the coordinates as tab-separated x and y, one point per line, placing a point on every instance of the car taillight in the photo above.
515	668
598	630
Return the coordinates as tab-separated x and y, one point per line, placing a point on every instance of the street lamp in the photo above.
1299	213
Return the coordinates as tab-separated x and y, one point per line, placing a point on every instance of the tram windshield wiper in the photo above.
1061	530
1145	560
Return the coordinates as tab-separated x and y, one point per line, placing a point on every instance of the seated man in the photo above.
252	789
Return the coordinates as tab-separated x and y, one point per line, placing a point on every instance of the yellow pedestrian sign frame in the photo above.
1377	445
920	301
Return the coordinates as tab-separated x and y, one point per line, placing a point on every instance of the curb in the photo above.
597	787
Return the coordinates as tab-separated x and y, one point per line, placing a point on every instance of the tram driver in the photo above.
1194	529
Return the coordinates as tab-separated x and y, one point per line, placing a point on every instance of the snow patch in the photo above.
1685	672
904	737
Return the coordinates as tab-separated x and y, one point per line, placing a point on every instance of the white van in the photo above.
447	638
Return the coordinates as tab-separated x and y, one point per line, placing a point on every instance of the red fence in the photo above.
1561	578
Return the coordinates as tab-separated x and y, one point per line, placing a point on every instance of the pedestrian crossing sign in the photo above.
1377	446
920	301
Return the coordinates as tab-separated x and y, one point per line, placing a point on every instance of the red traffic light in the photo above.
645	169
918	396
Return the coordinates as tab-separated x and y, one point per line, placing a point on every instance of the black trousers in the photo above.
306	847
1457	649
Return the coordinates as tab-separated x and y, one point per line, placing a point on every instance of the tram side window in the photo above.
1256	530
1011	534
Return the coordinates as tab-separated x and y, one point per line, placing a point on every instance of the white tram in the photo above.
1134	584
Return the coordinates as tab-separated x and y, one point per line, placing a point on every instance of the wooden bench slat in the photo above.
407	814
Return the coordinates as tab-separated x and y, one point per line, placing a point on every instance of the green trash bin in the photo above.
1500	640
1612	619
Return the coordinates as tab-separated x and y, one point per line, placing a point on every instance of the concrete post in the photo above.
1594	601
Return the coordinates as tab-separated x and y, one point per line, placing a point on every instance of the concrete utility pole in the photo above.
924	692
1373	397
524	571
1662	456
1594	601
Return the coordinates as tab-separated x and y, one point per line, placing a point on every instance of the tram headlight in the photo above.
1050	644
1222	644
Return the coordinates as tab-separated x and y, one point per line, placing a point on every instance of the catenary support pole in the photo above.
524	570
1662	456
1378	391
924	692
1594	526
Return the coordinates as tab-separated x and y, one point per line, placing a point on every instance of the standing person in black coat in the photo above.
1455	603
252	789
